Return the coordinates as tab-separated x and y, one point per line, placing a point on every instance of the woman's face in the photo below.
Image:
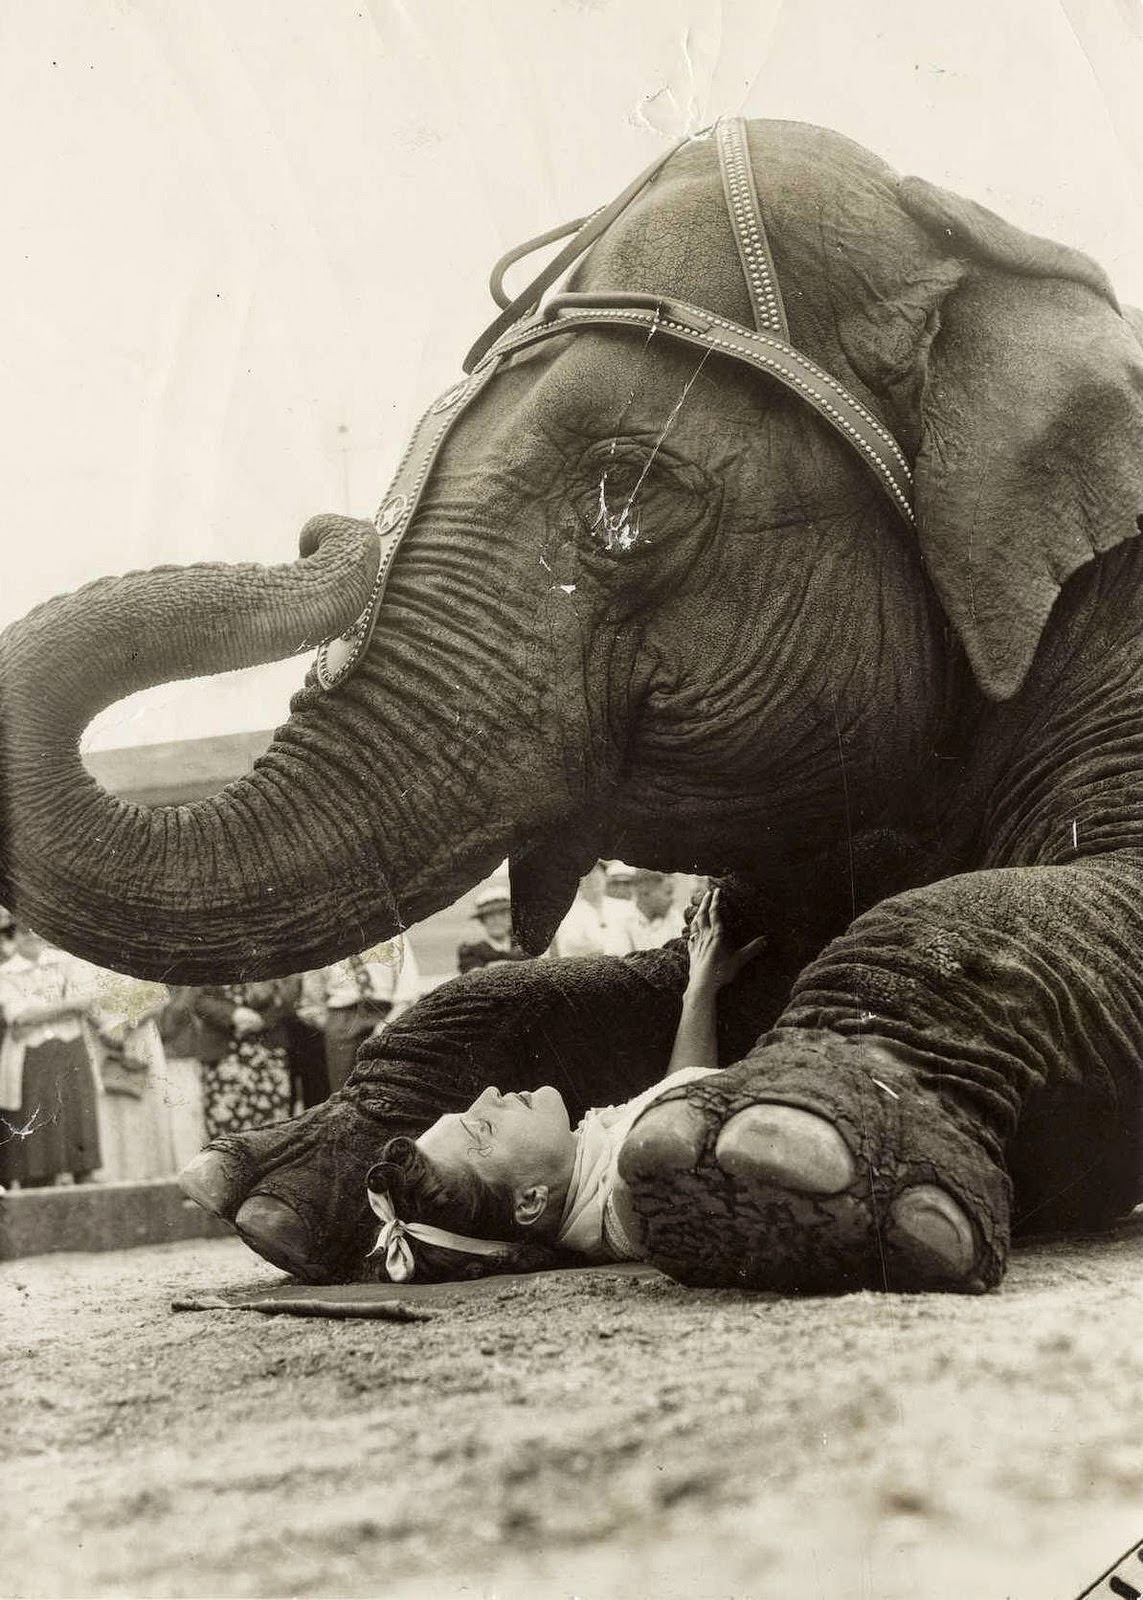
497	923
514	1140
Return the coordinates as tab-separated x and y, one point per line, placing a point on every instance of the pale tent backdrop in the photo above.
246	241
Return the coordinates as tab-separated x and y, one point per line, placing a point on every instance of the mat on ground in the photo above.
391	1302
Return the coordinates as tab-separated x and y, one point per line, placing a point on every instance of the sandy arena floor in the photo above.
605	1438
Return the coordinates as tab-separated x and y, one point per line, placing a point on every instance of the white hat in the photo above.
620	872
493	897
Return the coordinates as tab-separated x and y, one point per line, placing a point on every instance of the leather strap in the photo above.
527	300
336	658
749	229
765	348
518	253
765	352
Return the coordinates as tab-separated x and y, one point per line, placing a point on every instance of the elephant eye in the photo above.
621	507
634	501
616	523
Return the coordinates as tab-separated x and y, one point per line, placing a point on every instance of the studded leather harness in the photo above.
528	320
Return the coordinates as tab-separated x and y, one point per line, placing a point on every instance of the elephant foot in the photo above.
263	1200
781	1147
932	1237
275	1231
295	1191
817	1165
213	1181
217	1181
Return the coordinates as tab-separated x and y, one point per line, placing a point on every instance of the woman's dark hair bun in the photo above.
422	1192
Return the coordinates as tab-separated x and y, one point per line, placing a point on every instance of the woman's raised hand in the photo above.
714	962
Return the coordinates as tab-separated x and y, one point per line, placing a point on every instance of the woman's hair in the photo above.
463	1203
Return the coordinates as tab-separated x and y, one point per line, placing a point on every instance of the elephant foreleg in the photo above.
863	1142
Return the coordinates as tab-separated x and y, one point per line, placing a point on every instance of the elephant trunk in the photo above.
185	892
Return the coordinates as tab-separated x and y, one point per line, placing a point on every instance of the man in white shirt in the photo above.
493	911
350	1000
596	923
656	917
619	880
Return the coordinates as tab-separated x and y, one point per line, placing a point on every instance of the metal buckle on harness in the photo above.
624	300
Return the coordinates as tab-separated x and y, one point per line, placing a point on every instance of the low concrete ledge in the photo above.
100	1216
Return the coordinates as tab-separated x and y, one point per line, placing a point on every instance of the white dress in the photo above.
150	1112
588	1225
649	933
588	930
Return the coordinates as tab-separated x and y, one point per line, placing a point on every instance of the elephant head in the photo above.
648	606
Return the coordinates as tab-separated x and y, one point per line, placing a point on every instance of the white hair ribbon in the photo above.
393	1239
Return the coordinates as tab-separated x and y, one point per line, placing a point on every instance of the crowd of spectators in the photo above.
618	909
117	1079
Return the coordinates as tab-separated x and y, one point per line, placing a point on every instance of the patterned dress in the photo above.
249	1086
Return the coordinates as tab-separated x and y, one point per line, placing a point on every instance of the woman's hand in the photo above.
713	962
245	1020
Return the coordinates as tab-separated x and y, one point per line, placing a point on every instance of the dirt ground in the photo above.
596	1436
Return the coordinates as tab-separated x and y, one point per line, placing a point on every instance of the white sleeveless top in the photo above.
588	1225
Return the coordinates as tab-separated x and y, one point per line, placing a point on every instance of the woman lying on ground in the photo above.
508	1185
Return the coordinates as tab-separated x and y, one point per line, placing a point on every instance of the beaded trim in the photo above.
767	353
765	348
337	657
749	231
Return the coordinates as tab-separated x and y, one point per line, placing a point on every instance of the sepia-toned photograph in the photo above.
571	800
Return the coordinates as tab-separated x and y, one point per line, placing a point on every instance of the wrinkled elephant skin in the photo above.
650	607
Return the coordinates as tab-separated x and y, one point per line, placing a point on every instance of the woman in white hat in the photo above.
493	911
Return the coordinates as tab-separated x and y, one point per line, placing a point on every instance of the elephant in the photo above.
652	606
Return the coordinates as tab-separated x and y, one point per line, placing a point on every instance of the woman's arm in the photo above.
21	1016
712	965
312	1006
282	1001
696	1041
213	1007
34	995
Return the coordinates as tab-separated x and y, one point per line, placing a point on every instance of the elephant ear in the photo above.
1031	454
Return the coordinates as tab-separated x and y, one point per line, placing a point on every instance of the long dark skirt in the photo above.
56	1128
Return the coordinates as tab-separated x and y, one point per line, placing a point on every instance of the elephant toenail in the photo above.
935	1230
624	1213
668	1137
787	1147
209	1181
275	1231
